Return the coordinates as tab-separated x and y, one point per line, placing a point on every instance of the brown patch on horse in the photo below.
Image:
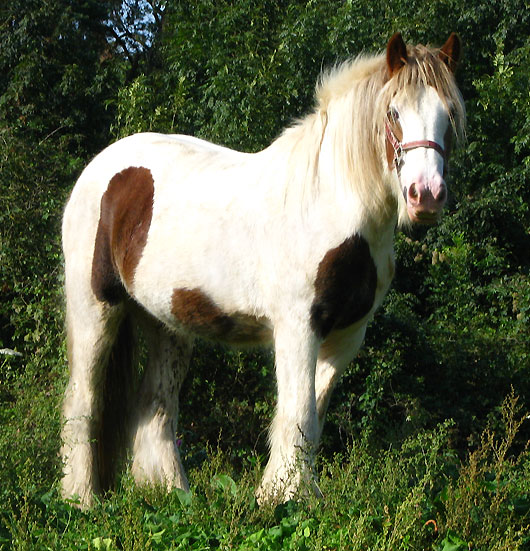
196	311
344	286
125	218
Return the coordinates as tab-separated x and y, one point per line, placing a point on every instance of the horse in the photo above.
290	246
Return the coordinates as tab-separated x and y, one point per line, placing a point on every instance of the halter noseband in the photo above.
401	148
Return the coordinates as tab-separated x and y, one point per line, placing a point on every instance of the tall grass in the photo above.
419	496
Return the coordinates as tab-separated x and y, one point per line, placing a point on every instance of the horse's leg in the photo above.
294	430
156	458
92	328
335	353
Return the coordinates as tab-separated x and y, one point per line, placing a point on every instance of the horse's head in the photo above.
419	123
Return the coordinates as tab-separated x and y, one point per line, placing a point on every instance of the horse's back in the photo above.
169	160
153	151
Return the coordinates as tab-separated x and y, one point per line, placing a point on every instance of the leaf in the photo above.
453	542
157	537
225	483
287	509
276	532
100	543
47	497
184	497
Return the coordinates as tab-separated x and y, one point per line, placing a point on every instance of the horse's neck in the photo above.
310	171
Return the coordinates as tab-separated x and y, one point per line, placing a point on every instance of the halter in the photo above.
401	148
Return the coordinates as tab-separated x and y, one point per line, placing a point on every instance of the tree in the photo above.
57	72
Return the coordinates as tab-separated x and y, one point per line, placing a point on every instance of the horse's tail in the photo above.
118	389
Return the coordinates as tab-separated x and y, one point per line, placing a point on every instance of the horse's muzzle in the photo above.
426	202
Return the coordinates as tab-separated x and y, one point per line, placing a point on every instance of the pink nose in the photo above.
426	202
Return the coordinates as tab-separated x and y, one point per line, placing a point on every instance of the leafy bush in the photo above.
415	496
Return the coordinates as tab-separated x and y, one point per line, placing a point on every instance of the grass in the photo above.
419	496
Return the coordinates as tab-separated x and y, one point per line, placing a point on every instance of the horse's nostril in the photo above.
413	192
441	195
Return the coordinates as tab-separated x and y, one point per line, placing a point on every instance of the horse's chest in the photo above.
345	286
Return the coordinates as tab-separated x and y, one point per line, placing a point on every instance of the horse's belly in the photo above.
201	291
195	312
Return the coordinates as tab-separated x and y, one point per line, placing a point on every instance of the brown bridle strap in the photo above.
400	148
424	143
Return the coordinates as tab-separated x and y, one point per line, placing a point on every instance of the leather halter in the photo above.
401	148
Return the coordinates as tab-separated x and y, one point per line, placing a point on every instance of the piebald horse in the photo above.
292	246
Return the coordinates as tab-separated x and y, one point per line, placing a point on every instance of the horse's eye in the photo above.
393	114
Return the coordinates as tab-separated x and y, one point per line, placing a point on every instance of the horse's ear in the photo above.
451	51
396	54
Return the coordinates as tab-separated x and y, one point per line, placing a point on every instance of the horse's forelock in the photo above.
425	68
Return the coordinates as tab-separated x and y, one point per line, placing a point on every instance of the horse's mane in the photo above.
351	102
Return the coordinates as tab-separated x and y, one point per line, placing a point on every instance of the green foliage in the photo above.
449	341
415	496
53	85
209	50
236	385
56	70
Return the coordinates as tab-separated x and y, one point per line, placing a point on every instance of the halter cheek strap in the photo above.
401	148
